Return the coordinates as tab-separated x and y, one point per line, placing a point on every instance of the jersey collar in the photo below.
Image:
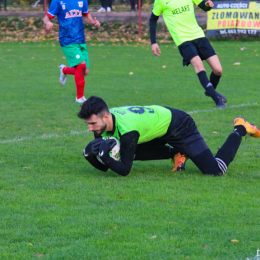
114	125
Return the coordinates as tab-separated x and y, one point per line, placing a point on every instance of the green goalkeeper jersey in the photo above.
150	121
180	19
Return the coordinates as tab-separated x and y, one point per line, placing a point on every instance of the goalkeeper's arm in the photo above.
128	144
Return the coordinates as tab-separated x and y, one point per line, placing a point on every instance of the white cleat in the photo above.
80	100
101	10
62	75
109	9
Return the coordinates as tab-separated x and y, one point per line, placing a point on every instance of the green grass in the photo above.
54	205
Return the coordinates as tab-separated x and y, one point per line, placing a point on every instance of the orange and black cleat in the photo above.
251	130
179	161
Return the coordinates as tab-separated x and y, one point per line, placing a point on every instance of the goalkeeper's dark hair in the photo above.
93	105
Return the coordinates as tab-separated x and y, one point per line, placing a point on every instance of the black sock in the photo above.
240	130
214	79
229	149
173	151
210	91
204	81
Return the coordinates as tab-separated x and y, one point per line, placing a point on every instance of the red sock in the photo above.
79	79
68	70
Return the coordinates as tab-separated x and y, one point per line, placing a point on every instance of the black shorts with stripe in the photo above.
183	134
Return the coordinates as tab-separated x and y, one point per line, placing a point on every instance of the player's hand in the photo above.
209	3
106	147
96	22
156	50
48	25
93	147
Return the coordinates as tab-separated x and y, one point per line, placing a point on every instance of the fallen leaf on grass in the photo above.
205	245
214	132
114	227
38	255
154	237
131	73
164	66
29	244
236	63
234	240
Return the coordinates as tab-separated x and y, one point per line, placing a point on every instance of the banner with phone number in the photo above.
234	18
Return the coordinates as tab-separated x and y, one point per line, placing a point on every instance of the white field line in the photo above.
229	107
19	139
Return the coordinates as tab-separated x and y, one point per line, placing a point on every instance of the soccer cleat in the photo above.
179	161
221	104
62	75
221	97
251	129
80	100
101	10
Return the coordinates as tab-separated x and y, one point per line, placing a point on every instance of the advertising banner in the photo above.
234	18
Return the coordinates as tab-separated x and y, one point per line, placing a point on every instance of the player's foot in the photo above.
62	75
80	100
109	9
251	130
179	161
101	10
221	97
221	104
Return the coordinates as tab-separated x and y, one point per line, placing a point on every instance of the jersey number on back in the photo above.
140	110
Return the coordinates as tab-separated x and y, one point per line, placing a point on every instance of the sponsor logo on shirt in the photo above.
63	7
80	4
73	13
181	10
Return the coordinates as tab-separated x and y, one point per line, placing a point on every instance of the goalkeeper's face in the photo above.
96	124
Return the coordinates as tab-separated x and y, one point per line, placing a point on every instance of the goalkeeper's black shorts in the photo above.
183	134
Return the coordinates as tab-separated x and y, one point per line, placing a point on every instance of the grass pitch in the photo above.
54	205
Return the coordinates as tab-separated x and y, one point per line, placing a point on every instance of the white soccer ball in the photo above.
115	152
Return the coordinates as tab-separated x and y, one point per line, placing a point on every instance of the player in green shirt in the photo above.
194	47
145	131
